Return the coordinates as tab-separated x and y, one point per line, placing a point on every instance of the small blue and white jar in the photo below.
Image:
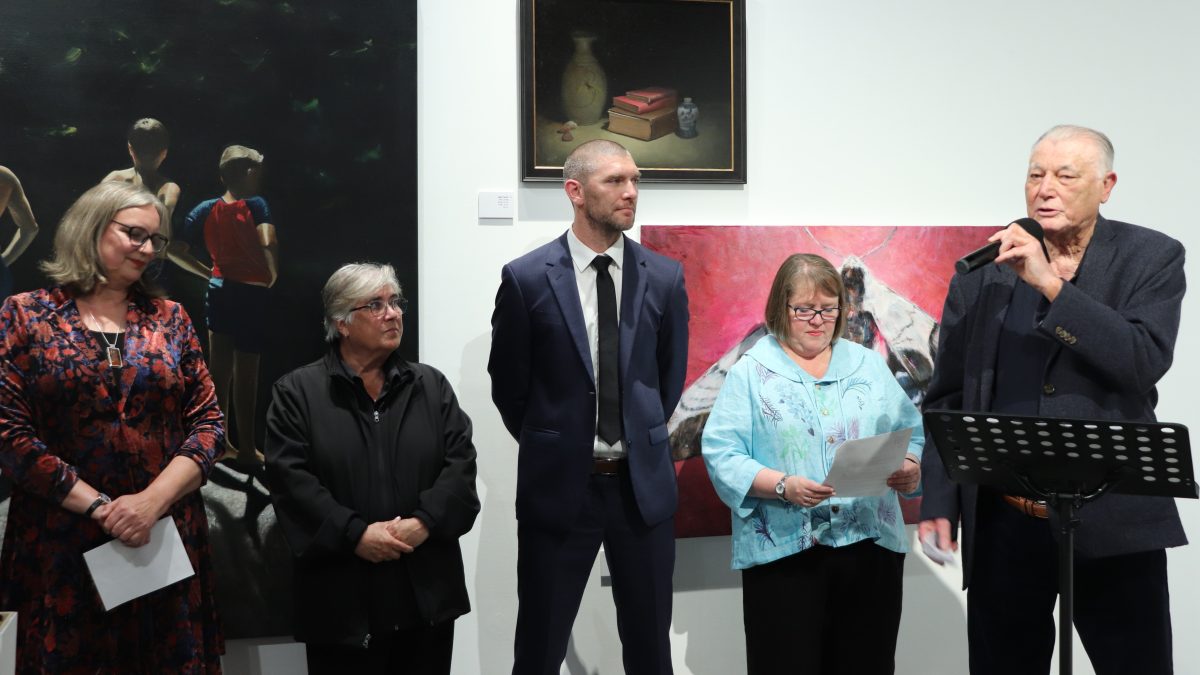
687	112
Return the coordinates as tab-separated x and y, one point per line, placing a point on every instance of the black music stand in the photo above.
1067	463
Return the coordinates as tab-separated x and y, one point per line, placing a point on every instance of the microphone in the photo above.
982	256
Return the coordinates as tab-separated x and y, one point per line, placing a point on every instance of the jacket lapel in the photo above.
561	275
999	292
1096	258
633	292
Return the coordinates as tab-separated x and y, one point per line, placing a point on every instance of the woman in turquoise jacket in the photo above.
821	574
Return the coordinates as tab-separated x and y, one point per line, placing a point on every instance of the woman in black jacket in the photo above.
372	472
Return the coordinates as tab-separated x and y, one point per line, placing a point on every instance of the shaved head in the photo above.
582	161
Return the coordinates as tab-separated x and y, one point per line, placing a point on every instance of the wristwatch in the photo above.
101	499
781	489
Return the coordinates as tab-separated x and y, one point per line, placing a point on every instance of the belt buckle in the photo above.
606	466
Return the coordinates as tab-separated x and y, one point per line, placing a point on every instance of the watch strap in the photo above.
781	489
101	499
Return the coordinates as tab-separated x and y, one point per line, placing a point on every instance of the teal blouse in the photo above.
771	413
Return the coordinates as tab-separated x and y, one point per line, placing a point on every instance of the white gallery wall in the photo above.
859	113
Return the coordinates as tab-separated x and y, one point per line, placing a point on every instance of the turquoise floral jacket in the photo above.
772	414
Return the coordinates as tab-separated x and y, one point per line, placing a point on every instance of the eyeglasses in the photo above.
807	313
378	307
139	236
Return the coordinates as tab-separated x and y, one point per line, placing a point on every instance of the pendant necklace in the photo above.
113	351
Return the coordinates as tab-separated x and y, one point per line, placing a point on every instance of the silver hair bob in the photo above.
348	287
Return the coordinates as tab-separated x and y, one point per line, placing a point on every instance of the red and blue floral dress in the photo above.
66	415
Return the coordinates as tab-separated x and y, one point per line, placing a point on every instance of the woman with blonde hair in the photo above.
108	422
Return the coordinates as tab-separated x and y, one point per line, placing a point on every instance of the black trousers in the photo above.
423	651
553	568
1122	607
824	611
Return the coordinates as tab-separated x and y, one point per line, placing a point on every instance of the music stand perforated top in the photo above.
1064	455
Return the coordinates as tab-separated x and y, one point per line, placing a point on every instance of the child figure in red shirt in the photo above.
236	231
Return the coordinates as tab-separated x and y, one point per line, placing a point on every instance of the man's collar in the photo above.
582	256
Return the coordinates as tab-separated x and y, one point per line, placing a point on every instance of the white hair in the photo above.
1065	131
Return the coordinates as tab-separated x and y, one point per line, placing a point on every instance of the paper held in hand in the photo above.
862	465
122	573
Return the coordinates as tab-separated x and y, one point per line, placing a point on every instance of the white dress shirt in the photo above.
585	282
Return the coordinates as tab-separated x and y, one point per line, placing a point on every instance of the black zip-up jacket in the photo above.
337	461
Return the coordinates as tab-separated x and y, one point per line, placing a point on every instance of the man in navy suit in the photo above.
1087	334
589	352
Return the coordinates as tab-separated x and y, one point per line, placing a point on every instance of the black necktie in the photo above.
608	423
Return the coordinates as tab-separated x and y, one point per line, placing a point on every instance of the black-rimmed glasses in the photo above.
139	236
377	307
807	313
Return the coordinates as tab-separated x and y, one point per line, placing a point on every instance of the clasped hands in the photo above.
390	539
130	517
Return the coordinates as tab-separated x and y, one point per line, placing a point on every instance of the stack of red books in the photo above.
644	113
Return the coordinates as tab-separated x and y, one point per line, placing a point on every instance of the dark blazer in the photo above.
544	387
326	487
1115	332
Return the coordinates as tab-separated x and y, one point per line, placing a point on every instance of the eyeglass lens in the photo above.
808	313
378	307
139	236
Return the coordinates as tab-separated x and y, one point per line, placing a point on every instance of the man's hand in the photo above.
940	527
1023	253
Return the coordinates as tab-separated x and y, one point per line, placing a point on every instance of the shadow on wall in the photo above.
933	628
496	561
707	614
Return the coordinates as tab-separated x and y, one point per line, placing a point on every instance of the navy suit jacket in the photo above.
1114	331
544	387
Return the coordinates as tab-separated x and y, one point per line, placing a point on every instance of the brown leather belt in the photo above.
1029	507
608	466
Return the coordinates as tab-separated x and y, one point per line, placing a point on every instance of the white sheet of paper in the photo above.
936	554
862	465
122	573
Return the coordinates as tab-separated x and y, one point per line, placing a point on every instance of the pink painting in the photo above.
896	279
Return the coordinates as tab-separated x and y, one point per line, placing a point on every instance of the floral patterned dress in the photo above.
66	415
